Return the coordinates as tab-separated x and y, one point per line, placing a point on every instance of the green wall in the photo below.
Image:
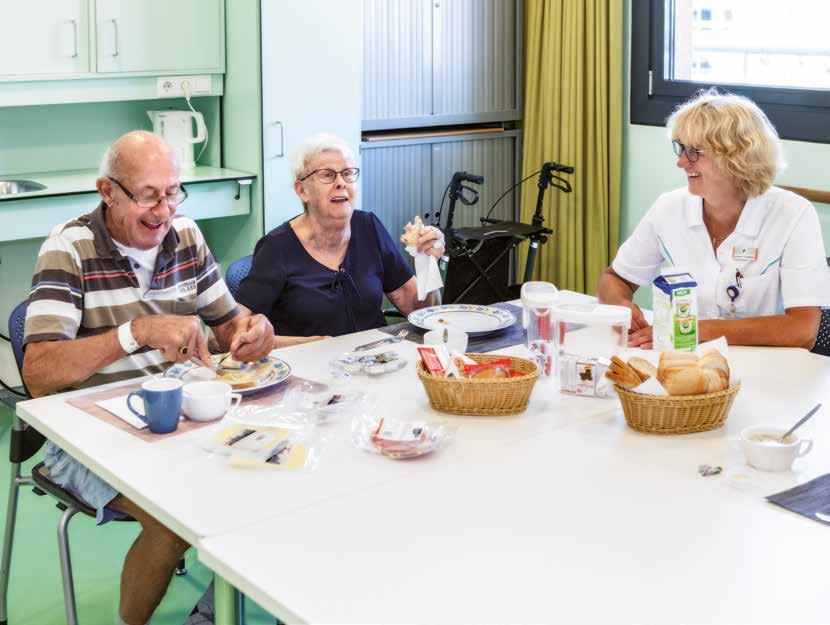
649	165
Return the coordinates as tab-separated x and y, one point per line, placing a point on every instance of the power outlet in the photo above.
174	86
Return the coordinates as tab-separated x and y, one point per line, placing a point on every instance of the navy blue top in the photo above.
302	297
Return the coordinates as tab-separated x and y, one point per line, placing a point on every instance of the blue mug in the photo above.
162	404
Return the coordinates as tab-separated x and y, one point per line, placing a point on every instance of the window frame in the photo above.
797	114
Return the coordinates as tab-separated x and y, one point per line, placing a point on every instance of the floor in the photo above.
35	591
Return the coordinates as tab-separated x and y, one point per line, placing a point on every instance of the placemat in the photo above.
87	403
807	499
514	335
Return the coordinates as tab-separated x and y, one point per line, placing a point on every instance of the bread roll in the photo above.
674	358
684	380
716	380
643	368
712	359
412	231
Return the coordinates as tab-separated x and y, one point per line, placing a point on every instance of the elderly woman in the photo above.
325	272
755	251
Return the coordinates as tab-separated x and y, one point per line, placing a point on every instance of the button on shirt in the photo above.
776	248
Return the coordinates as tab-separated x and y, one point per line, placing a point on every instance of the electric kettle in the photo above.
177	129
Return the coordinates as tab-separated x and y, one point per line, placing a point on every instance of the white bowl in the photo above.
207	401
770	455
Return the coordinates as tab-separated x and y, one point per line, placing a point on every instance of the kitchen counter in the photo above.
73	182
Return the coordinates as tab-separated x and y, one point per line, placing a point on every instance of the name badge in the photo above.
744	252
186	288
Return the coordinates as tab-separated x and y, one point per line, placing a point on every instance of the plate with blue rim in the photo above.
266	373
473	319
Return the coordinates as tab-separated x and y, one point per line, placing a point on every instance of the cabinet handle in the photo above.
282	141
74	38
115	36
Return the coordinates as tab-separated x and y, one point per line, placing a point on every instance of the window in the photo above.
779	58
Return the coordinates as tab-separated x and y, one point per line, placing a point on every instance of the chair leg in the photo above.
8	540
66	566
181	569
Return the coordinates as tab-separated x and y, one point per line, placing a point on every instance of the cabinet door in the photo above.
397	48
474	56
44	37
312	55
495	159
160	35
397	185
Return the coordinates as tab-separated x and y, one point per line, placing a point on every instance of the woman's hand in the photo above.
431	241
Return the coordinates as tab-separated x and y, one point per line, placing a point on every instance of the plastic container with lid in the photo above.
584	352
538	301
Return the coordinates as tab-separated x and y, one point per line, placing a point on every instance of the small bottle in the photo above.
538	299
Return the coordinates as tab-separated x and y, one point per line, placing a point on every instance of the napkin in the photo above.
427	274
118	407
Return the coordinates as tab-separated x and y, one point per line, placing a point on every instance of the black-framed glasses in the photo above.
151	201
691	153
328	176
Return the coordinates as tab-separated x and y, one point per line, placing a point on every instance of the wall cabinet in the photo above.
43	37
404	178
74	39
441	62
311	69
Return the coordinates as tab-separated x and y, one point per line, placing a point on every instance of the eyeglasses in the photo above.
151	201
328	176
691	153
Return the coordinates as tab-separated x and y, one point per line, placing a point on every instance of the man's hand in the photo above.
179	338
252	338
638	320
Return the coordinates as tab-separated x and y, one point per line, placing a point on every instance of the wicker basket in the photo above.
488	397
679	414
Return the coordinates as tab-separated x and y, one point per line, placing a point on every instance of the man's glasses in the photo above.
691	153
327	176
151	201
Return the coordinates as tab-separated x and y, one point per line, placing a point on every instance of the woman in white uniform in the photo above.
755	250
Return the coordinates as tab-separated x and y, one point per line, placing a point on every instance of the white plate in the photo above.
470	318
188	371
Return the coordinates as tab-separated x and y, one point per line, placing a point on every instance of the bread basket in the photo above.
483	397
681	414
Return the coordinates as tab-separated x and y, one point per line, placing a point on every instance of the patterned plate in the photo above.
190	372
470	318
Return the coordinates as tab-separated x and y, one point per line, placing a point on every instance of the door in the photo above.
160	36
44	37
312	54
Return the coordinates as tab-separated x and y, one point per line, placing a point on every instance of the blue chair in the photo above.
236	273
24	443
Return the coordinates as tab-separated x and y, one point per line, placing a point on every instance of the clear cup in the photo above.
541	330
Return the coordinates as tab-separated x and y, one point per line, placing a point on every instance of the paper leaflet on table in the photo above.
653	387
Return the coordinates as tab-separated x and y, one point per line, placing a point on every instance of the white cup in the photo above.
770	455
206	401
456	339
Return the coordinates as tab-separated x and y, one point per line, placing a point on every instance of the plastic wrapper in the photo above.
258	446
352	363
400	439
584	375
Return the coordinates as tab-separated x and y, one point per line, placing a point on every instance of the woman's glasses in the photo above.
328	176
691	153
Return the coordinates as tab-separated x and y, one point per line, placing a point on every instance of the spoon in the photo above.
801	422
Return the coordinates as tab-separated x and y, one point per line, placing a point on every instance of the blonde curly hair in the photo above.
732	128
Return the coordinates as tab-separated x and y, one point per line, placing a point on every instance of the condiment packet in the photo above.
371	364
437	361
400	439
584	375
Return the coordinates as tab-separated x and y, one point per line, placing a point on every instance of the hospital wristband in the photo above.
126	338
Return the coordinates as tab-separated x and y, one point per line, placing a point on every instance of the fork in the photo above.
400	336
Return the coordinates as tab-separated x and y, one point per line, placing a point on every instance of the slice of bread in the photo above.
643	368
622	374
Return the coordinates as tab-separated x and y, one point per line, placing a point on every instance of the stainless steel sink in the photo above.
13	187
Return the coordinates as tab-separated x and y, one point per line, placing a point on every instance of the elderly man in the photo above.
118	293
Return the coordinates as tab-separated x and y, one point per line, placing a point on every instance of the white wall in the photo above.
649	165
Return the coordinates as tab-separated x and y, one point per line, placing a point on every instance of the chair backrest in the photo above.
822	345
17	321
236	273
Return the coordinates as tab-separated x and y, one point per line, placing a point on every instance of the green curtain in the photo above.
573	115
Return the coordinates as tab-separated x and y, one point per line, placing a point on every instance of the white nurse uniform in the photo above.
773	260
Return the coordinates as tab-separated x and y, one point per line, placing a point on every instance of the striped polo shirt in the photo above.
84	286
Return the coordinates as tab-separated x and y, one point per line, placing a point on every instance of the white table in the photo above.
244	521
584	521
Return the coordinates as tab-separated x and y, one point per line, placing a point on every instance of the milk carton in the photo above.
675	312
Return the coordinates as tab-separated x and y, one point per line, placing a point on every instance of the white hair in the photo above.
109	163
314	146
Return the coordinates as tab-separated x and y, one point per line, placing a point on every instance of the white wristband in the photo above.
125	337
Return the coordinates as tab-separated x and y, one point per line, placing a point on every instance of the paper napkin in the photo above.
118	407
427	274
